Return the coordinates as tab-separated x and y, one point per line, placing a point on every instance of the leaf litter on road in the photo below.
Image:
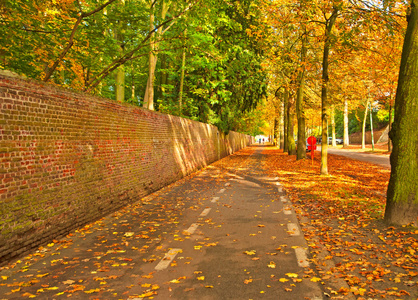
341	218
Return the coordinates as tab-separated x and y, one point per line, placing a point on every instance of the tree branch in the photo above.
71	39
129	55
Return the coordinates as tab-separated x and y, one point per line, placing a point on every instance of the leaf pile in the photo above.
342	219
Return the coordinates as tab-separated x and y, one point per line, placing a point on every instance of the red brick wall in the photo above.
67	159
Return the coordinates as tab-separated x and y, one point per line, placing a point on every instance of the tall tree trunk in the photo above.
281	125
390	125
334	142
133	85
120	84
346	133
363	128
402	194
153	56
285	120
301	150
276	134
183	65
324	91
149	90
120	71
163	73
291	146
371	125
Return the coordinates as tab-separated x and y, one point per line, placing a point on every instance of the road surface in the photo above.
378	159
227	232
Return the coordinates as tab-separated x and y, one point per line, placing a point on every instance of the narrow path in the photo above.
227	232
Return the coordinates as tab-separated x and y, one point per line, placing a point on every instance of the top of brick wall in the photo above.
9	78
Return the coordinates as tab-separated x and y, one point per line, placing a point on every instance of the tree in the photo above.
301	149
82	15
330	22
402	194
153	53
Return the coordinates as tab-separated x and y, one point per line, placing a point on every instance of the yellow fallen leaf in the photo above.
272	265
92	291
42	275
146	285
201	278
209	286
315	279
147	294
4	277
251	252
174	281
292	275
247	281
283	279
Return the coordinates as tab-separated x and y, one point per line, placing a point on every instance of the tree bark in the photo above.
281	125
363	128
390	126
120	84
324	91
285	120
291	146
183	65
334	142
346	133
153	56
402	194
276	133
149	90
133	85
120	73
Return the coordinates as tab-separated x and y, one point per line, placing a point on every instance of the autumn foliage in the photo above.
342	219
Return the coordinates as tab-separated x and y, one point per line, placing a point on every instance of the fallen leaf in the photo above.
315	279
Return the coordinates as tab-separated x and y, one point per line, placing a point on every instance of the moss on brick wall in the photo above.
67	159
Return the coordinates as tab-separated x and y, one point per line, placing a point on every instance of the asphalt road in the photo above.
382	160
227	232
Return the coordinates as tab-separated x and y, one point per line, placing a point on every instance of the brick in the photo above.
62	150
